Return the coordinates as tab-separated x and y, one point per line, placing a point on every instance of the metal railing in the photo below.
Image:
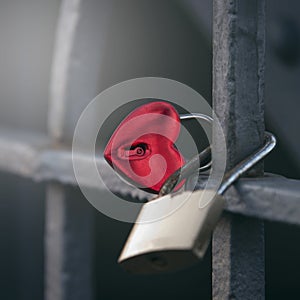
238	80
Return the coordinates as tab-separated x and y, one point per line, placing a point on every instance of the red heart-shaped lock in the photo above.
142	147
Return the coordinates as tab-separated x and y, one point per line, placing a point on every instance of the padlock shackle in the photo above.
203	154
196	116
187	170
246	164
230	177
192	165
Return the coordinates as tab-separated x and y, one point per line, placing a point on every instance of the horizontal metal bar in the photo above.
32	155
19	151
272	198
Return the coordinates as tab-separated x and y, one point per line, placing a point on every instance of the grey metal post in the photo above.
68	244
238	82
74	83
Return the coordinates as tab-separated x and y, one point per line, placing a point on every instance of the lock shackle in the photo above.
199	116
193	164
187	170
247	163
230	177
202	155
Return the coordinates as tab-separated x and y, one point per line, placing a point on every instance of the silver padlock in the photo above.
181	238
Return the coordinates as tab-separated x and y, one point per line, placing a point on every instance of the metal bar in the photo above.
68	247
65	39
77	71
54	239
268	198
19	151
74	83
32	156
238	80
271	197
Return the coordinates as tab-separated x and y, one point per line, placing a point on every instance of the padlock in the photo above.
181	238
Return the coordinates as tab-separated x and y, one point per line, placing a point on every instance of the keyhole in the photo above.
135	151
140	151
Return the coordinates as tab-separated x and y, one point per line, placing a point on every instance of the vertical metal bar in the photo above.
68	246
54	238
238	82
65	39
77	69
74	82
65	278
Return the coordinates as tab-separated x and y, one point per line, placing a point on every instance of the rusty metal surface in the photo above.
269	198
238	82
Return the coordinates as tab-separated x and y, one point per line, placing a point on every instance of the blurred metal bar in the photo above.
65	278
65	39
68	247
69	225
32	156
54	240
77	69
20	151
238	80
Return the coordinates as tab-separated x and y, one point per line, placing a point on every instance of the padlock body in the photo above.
178	238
